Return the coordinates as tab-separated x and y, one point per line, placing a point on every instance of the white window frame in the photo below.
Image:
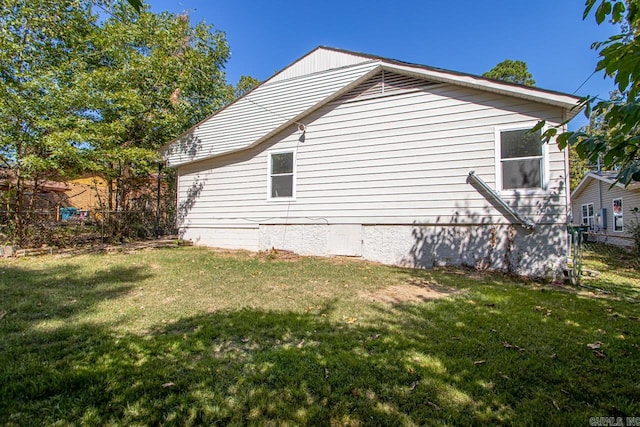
498	160
615	215
591	224
269	176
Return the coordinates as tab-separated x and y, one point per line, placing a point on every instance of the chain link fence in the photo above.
76	228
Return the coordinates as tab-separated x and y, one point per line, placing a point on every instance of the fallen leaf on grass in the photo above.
507	345
169	384
352	320
2	314
556	405
594	345
437	408
413	385
599	354
479	362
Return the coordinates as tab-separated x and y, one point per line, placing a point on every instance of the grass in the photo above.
189	336
617	270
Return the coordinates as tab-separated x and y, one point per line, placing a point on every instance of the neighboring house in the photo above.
605	208
49	194
87	193
344	153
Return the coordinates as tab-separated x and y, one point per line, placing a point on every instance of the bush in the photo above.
634	228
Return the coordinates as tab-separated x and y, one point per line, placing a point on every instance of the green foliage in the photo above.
245	84
633	228
619	55
43	47
151	77
511	71
82	95
577	168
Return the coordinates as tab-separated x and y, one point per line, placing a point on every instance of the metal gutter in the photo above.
529	225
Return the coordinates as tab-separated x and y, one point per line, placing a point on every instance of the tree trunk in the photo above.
19	205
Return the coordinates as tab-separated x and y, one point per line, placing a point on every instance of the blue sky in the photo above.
463	35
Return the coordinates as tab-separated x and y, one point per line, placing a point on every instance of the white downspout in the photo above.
530	225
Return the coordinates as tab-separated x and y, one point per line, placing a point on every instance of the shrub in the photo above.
634	228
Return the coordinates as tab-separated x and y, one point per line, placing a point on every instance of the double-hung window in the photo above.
588	215
617	215
521	160
281	175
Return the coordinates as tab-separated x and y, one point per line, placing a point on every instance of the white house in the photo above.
343	153
605	207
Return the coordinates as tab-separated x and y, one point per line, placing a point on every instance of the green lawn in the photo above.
189	336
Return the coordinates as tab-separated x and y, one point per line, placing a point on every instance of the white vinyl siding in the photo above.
259	113
318	61
602	196
400	158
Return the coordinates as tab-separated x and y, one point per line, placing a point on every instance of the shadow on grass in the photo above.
517	359
60	292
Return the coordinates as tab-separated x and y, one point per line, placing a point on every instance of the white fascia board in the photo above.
568	102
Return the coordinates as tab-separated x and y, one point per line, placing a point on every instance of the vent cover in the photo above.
386	83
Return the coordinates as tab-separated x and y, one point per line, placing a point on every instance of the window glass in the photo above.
520	143
281	175
282	163
587	215
521	174
282	186
521	159
617	215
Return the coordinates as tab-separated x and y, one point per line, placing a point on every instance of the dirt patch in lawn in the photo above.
416	291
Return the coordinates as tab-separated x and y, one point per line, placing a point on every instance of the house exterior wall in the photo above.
318	61
258	113
601	195
87	193
395	167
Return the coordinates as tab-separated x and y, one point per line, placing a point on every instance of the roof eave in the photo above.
557	99
592	175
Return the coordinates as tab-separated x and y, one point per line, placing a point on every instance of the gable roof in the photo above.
608	177
309	83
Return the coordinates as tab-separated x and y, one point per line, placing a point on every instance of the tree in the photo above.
511	71
619	146
78	94
245	84
43	46
151	77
